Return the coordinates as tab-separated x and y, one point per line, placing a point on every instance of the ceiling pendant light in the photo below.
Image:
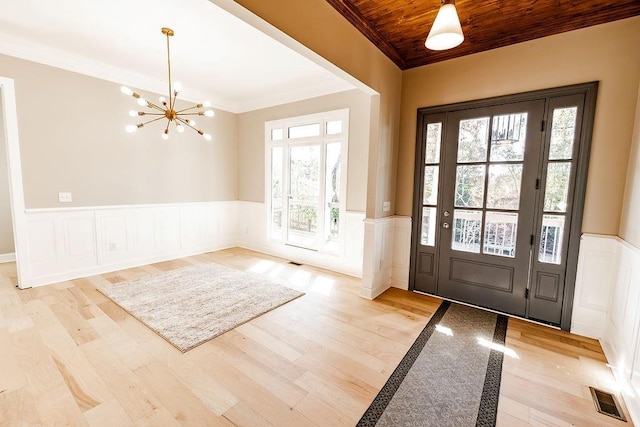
446	32
167	109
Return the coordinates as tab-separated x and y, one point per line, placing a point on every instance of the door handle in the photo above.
446	213
445	225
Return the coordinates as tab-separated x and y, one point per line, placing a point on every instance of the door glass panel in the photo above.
432	144
473	139
277	134
466	230
276	192
430	193
551	239
500	233
504	186
508	137
470	186
563	131
304	192
334	127
304	131
428	234
332	194
555	197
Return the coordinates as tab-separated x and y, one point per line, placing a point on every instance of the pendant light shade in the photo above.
446	31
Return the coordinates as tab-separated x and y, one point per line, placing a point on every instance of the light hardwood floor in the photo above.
69	356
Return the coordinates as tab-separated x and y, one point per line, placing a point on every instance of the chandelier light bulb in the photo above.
209	113
131	128
191	122
180	128
206	104
177	86
126	90
162	99
133	113
207	136
142	102
165	135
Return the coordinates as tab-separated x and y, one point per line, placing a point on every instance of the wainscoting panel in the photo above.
65	244
609	277
253	234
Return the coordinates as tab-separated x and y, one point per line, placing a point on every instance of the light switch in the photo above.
64	197
386	206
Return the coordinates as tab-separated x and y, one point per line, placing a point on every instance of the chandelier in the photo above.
180	118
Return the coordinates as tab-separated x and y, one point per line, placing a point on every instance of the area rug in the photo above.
192	305
449	377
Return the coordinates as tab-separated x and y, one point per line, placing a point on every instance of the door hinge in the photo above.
531	240
537	183
526	293
542	125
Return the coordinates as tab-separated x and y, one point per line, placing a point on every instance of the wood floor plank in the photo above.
17	408
184	405
107	414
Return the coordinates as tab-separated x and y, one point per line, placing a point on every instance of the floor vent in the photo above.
297	264
606	403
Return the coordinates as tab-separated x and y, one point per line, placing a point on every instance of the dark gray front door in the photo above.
498	201
489	180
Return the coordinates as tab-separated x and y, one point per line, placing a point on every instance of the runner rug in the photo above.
192	305
449	377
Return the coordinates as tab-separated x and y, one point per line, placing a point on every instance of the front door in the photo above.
489	178
494	199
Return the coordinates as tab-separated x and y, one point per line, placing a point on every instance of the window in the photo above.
306	180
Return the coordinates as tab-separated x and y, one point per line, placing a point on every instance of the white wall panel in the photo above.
70	243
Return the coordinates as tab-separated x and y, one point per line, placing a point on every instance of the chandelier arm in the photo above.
154	106
151	121
172	101
183	121
190	114
151	114
187	109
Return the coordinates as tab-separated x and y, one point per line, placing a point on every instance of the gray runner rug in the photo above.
449	376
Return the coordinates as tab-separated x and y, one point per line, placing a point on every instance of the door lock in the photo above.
445	225
446	213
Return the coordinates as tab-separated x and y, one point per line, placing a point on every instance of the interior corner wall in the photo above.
608	53
6	225
318	26
251	143
72	139
630	220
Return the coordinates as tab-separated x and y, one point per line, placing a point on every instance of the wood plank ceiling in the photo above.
400	27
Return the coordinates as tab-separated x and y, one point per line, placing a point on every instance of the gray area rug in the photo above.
447	378
192	305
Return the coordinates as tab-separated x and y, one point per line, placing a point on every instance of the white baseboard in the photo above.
7	258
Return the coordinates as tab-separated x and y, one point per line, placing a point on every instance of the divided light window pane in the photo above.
428	235
276	191
470	186
504	186
500	233
555	197
466	230
563	130
430	192
432	144
334	127
473	140
277	134
508	137
304	131
550	251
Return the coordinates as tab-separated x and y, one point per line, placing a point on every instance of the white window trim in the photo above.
323	140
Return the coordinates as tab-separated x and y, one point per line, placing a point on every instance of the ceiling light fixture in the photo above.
446	32
167	110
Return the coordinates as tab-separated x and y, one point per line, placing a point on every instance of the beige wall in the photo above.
6	226
318	26
72	139
608	53
630	221
251	143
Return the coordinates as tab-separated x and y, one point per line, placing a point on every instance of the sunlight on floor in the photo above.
494	346
444	330
323	285
262	266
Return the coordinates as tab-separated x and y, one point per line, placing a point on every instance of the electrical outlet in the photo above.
64	197
386	206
